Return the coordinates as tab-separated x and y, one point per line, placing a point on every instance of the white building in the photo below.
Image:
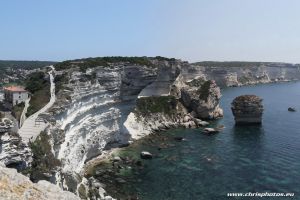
15	95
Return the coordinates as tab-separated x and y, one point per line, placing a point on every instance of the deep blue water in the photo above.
239	159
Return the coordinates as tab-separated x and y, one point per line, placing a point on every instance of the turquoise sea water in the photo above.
239	159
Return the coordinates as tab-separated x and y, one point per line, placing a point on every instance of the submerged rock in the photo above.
247	109
120	180
211	130
178	138
291	109
201	123
146	155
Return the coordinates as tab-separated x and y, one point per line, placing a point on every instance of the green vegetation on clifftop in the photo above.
161	104
100	61
38	84
24	64
85	63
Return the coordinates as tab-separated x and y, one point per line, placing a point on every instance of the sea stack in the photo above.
247	109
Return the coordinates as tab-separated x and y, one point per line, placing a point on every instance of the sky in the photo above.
192	30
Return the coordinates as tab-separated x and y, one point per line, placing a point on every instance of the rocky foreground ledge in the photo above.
15	186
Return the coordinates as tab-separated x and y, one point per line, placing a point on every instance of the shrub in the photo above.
204	90
43	159
36	81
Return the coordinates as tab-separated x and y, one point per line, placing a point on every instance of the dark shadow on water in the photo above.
249	150
253	130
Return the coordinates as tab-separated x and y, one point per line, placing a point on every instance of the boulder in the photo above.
178	138
146	155
187	118
210	130
247	109
200	122
120	180
116	159
291	109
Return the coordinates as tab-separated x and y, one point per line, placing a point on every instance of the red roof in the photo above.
15	89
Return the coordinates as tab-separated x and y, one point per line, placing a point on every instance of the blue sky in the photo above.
193	30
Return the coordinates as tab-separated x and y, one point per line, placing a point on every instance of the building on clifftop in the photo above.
15	95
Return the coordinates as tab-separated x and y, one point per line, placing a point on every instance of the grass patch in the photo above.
149	105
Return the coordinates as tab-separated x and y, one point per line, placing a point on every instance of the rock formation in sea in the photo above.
247	109
291	109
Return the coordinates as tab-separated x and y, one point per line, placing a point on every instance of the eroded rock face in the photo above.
228	74
13	152
247	109
203	101
18	187
91	109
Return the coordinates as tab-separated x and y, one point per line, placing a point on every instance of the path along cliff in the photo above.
33	125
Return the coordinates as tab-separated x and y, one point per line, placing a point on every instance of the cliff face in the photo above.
13	151
91	109
96	108
227	75
203	101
